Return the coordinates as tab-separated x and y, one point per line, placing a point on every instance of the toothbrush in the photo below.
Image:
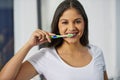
62	36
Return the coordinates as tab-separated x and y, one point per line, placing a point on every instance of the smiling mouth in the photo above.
74	34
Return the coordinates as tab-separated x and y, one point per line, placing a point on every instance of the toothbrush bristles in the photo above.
70	35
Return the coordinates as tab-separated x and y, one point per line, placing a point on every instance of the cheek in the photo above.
81	30
61	29
82	27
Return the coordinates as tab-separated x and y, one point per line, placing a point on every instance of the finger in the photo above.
47	36
38	35
41	42
43	36
36	38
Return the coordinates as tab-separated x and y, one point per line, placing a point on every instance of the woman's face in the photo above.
71	22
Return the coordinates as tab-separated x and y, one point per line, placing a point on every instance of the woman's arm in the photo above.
27	71
105	75
15	69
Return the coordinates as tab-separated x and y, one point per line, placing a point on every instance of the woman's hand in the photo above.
39	37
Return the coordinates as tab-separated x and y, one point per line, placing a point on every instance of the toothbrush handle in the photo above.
55	36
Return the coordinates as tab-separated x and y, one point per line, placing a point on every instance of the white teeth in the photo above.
74	34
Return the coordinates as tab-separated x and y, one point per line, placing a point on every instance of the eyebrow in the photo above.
74	19
78	19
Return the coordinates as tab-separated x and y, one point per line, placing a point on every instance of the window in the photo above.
6	31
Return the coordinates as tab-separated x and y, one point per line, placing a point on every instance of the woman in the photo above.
69	58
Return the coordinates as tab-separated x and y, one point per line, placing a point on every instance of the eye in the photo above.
65	22
77	21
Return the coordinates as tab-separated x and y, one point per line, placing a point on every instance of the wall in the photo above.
118	37
48	9
25	22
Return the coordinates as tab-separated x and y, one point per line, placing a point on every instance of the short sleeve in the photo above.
98	58
101	60
36	60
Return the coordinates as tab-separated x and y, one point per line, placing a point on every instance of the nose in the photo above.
72	27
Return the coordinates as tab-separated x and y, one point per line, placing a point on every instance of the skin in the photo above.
70	22
73	23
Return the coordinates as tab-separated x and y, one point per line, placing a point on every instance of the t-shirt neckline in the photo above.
64	63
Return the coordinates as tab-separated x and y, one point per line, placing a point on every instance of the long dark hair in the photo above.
66	4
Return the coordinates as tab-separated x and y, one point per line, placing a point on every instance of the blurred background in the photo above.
6	31
19	18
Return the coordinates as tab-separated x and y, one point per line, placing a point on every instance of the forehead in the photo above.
71	13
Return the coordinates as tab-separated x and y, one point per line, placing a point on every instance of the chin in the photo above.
72	41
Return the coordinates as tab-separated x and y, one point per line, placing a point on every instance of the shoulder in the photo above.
98	57
46	50
42	53
95	50
40	59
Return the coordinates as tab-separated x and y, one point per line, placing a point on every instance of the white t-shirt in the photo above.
47	62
